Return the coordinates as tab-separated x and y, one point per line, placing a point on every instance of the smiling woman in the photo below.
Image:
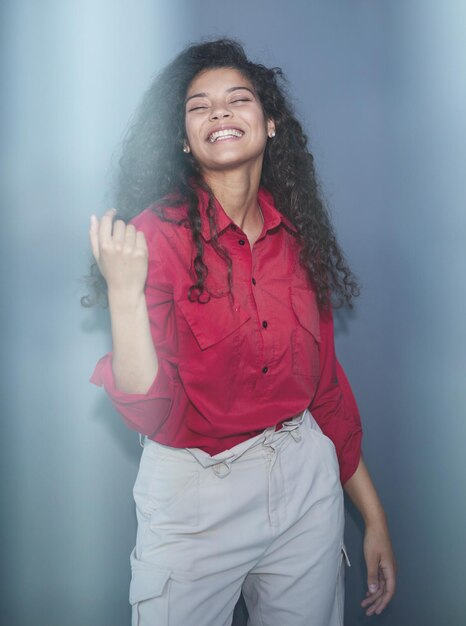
225	123
220	278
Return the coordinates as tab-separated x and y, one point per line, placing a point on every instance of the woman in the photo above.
223	356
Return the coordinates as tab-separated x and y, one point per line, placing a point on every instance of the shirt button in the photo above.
264	324
241	242
253	281
265	369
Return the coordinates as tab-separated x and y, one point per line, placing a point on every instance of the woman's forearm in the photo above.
363	494
378	551
134	361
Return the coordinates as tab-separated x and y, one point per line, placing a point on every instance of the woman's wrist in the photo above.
375	518
125	299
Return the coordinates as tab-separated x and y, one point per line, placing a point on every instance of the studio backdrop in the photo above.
381	90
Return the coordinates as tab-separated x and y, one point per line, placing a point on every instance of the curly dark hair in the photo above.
153	166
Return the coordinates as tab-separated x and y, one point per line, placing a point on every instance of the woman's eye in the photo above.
197	108
241	100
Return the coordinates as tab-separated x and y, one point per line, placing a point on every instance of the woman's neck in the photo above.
237	194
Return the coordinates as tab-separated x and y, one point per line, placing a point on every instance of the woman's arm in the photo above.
122	256
378	552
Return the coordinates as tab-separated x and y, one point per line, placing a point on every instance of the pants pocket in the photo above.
149	593
166	491
340	596
327	447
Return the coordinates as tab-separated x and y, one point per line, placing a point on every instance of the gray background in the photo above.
381	87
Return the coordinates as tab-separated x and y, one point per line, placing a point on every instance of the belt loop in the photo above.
142	440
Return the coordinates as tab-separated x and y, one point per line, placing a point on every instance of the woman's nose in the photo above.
219	112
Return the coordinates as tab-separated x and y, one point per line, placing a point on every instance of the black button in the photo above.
241	242
265	369
253	281
264	324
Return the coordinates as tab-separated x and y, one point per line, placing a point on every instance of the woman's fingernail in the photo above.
373	588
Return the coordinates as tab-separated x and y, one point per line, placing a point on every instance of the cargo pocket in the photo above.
305	337
340	599
148	594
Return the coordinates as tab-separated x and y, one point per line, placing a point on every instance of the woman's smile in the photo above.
224	134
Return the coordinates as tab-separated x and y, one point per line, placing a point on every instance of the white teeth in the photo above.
221	134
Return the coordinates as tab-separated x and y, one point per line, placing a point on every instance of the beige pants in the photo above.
265	517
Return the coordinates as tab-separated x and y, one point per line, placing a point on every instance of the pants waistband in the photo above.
267	437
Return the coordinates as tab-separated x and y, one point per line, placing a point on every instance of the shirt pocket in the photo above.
305	336
213	321
211	340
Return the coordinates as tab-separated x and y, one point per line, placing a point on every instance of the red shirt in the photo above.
230	368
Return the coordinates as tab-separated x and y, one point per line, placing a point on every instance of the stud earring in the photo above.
272	134
186	149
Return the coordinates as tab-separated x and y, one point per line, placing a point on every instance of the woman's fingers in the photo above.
388	571
377	605
377	602
130	238
118	235
120	252
141	244
105	228
372	597
100	232
94	237
381	569
372	564
371	603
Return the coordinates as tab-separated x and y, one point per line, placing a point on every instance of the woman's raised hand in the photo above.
121	253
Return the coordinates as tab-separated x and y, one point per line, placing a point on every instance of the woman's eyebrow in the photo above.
196	95
203	94
240	87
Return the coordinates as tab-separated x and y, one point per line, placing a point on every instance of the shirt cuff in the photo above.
350	452
146	412
349	456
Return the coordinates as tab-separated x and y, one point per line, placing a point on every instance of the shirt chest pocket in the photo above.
305	336
210	333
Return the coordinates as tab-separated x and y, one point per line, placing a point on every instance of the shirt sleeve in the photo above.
146	413
334	406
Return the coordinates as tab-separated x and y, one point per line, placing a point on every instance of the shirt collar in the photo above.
272	216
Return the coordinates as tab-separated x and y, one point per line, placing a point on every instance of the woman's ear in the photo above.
270	128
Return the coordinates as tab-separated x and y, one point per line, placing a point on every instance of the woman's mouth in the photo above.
227	133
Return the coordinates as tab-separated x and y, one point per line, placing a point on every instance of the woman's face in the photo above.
225	124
